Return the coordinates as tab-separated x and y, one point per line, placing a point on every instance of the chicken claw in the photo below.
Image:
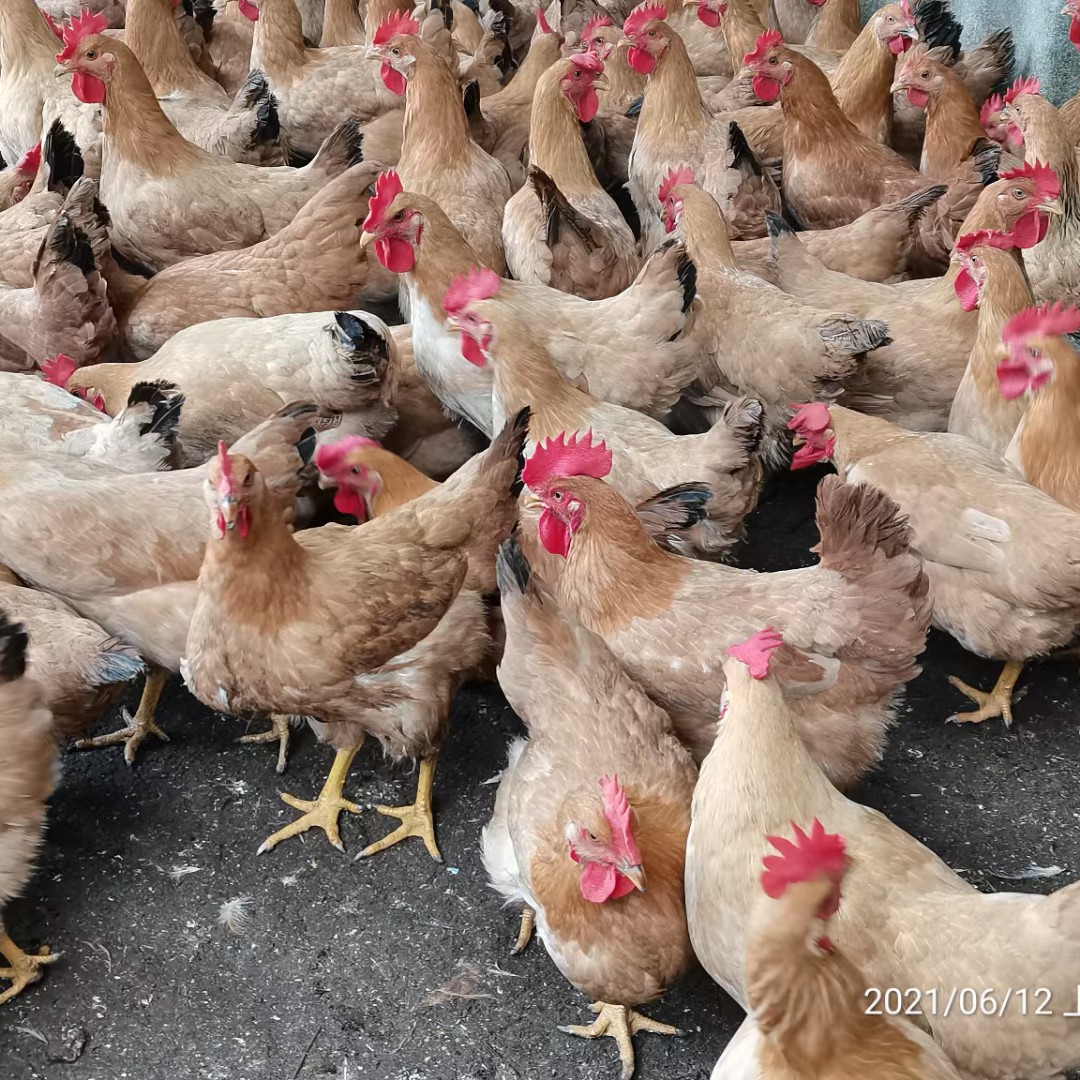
416	820
25	969
324	812
620	1022
525	932
996	703
280	732
138	727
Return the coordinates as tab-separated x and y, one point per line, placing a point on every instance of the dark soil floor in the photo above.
339	968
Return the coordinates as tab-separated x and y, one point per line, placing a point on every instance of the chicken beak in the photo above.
60	71
366	240
910	32
896	87
1053	206
601	83
635	874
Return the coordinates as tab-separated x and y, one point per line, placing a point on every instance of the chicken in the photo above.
629	350
906	919
316	89
1070	110
42	417
1042	364
17	179
832	172
311	264
490	60
792	964
438	156
66	309
342	24
973	521
245	129
140	540
837	26
169	199
862	612
370	481
399	594
562	229
28	766
755	339
914	380
991	278
674	129
1054	263
584	819
229	45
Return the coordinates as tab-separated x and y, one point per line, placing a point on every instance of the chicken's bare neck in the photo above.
153	36
704	230
436	134
952	129
672	102
555	143
861	82
741	27
277	44
26	42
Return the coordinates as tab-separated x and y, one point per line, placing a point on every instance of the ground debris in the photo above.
464	985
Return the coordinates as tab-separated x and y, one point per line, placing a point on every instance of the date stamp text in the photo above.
968	1001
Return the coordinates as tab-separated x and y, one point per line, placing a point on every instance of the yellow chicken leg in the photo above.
139	726
621	1023
324	812
25	969
997	703
280	732
416	820
525	931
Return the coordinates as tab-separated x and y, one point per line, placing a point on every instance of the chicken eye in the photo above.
652	33
577	73
395	51
355	469
773	60
399	216
1018	192
249	479
557	497
924	74
91	54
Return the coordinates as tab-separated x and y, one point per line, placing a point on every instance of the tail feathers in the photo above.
989	66
937	27
118	663
672	512
66	243
987	159
510	443
776	225
914	206
165	402
633	110
745	417
14	641
62	156
343	148
512	569
256	94
670	256
854	335
363	344
471	99
854	522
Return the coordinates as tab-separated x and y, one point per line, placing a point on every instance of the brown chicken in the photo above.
169	199
399	594
28	768
862	612
589	826
562	228
906	920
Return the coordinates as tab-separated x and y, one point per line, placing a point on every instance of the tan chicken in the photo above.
629	350
169	199
28	766
228	48
906	919
807	998
439	159
862	612
992	279
1042	365
590	825
400	593
311	264
22	229
316	89
562	228
342	24
972	518
673	129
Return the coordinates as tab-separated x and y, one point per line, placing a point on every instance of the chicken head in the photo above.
599	36
391	225
480	283
579	84
770	65
811	426
894	26
88	56
920	77
610	868
357	485
1025	199
393	45
647	35
1027	339
973	273
671	203
710	12
232	486
1014	116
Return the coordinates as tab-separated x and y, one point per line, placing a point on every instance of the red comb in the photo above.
641	15
594	24
905	7
79	27
1029	85
587	61
387	189
30	161
682	175
811	417
396	23
811	855
993	104
766	40
987	238
327	458
1049	320
541	21
226	485
479	283
617	812
1047	184
58	369
756	651
54	26
567	457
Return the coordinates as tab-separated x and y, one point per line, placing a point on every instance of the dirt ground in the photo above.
399	968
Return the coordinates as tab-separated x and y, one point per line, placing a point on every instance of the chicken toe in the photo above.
416	820
621	1023
525	932
324	812
136	727
998	702
279	732
25	968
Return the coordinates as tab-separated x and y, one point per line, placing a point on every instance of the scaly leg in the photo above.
279	731
997	703
139	726
324	812
416	820
525	932
620	1022
24	969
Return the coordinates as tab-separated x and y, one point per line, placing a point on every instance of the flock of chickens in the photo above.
654	256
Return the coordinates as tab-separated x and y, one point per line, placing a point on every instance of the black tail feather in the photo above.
14	642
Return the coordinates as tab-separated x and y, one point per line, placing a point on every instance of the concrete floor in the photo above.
338	971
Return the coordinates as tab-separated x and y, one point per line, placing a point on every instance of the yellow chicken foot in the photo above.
324	812
416	820
280	732
997	703
525	932
139	726
25	969
619	1022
